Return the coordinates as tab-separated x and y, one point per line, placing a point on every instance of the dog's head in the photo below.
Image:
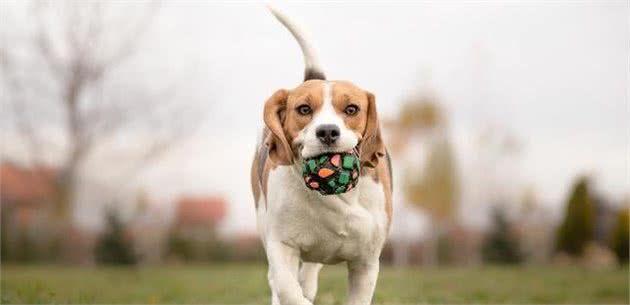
323	116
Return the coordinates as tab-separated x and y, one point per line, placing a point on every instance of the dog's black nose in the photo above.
327	134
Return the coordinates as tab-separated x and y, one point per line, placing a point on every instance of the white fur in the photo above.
326	115
310	55
300	225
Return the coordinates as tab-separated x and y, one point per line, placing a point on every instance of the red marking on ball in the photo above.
335	160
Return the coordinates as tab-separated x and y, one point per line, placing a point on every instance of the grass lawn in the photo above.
246	284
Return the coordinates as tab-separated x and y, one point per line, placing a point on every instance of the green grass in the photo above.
247	284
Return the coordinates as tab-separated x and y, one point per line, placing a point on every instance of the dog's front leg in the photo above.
362	276
284	263
308	279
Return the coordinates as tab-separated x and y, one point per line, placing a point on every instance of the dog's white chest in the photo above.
326	229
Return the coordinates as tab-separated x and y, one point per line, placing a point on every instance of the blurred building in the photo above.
193	213
194	232
24	190
26	196
31	227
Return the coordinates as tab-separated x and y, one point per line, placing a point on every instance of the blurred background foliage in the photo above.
577	227
40	197
91	121
500	245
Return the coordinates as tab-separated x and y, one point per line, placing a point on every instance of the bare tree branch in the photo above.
43	44
74	43
128	43
17	107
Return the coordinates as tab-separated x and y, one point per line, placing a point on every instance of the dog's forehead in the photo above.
316	89
348	89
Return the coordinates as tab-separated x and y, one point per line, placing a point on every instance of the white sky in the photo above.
553	74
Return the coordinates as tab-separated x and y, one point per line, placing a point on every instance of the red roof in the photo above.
193	211
25	185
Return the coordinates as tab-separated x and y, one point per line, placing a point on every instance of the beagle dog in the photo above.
301	229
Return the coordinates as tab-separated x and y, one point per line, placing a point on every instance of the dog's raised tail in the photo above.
312	68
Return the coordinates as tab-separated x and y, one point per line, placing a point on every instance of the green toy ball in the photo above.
332	173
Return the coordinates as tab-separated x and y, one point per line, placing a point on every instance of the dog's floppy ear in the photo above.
372	147
275	113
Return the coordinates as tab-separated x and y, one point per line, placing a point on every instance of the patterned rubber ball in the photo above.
332	173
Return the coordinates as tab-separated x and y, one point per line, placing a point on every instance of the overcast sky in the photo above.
552	74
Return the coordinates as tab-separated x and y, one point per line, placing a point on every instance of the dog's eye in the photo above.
351	110
304	109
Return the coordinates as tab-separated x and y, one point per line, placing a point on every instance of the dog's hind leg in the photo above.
309	273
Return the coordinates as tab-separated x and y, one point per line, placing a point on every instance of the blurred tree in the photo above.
62	73
4	237
423	112
219	250
435	188
114	247
206	248
501	245
179	247
620	236
577	227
